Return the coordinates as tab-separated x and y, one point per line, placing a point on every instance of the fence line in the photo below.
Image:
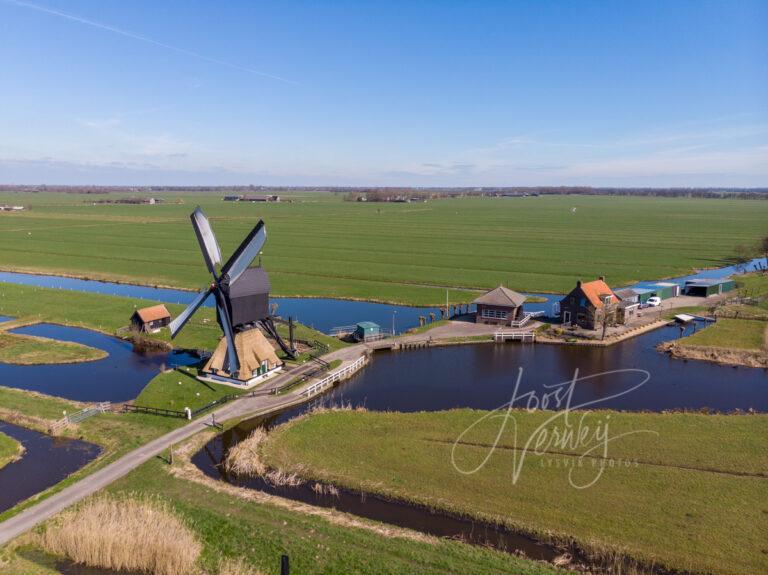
79	416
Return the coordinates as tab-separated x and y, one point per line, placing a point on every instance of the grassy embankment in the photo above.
235	528
693	488
10	450
399	253
31	350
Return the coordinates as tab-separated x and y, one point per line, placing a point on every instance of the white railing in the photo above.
501	336
528	316
79	416
332	378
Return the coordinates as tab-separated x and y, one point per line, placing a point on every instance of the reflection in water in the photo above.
118	377
46	461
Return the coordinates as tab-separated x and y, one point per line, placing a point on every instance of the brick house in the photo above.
589	304
500	306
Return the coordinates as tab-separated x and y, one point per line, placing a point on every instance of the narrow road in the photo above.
247	406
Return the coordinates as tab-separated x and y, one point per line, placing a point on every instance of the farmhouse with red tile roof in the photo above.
589	305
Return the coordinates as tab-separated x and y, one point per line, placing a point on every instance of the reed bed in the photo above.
243	459
125	534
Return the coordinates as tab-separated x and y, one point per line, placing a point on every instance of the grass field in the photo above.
10	449
693	498
29	350
731	334
321	246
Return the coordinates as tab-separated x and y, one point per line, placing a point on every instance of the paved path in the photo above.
247	406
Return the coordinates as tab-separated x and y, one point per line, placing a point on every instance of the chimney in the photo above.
578	283
601	278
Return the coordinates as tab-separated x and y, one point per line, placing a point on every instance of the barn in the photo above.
708	287
500	306
150	319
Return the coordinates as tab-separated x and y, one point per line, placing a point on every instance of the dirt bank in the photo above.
748	358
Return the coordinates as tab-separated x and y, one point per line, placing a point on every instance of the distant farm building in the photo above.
666	290
241	198
500	306
590	305
7	208
131	201
708	287
150	319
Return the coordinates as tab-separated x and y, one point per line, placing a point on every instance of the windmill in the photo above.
242	304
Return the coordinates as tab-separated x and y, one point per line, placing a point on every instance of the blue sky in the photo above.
487	93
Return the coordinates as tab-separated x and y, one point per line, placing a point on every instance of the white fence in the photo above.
332	378
501	336
79	416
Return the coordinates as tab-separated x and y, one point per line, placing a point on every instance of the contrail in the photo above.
133	36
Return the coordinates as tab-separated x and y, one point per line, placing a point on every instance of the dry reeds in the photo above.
140	535
325	489
243	459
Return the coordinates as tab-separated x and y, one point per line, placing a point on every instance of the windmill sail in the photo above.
207	240
184	316
245	253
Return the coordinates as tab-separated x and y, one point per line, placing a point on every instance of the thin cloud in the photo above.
140	38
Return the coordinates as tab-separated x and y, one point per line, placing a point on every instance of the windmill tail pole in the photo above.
291	339
269	325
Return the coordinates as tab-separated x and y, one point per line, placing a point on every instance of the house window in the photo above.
494	314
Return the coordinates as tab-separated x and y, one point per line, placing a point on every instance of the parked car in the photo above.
654	301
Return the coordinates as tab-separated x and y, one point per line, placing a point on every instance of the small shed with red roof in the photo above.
590	305
150	319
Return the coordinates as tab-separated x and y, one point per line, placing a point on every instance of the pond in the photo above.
118	377
46	461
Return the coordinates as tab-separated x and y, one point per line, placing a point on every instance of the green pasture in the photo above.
320	245
9	449
691	498
730	333
27	350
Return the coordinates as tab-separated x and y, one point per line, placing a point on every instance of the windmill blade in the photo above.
206	239
245	253
233	365
184	316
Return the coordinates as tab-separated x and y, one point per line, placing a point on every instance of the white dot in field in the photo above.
198	394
